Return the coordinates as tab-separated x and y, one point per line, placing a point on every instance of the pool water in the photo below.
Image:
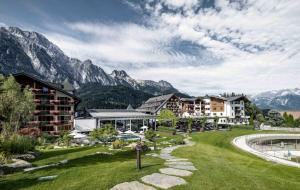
129	137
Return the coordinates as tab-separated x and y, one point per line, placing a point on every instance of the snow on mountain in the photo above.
286	99
33	53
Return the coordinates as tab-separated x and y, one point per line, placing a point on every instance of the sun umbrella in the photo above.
79	136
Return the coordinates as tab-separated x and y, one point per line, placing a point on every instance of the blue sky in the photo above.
200	46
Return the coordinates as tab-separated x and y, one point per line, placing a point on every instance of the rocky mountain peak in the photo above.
119	73
33	53
165	84
285	99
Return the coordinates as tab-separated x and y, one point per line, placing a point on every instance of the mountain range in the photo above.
33	53
286	99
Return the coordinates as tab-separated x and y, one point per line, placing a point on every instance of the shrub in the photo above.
117	144
105	134
5	157
17	144
30	131
178	141
49	138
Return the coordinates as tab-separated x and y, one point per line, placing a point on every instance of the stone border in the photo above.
241	142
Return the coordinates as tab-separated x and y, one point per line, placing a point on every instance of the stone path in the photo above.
176	172
134	185
168	177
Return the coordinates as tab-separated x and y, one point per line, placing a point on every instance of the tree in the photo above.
216	120
252	109
203	122
190	124
251	122
105	134
167	115
274	118
66	139
151	136
297	122
260	118
16	105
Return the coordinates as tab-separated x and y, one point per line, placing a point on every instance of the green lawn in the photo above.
84	171
222	166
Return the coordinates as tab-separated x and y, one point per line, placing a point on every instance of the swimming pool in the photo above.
129	137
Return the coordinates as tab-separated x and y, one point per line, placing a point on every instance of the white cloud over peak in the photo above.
243	46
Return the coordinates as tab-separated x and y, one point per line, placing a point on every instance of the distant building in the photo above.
154	105
55	106
121	119
191	107
229	110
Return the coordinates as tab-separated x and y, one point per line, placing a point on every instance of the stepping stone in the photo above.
46	178
179	163
177	172
134	185
191	168
177	160
162	180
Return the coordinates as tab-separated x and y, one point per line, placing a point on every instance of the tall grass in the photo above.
18	144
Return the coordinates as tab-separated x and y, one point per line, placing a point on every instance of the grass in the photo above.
83	171
222	166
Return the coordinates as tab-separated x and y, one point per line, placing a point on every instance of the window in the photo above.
221	113
44	89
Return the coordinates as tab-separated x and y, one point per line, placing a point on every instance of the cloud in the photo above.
2	24
243	46
128	45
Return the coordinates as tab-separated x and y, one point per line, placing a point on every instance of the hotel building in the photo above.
55	104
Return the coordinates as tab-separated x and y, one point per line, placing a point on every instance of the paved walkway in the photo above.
242	143
168	177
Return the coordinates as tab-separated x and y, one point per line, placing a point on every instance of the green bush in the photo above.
178	141
105	134
5	157
118	144
51	139
18	144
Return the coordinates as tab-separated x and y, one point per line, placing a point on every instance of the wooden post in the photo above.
138	156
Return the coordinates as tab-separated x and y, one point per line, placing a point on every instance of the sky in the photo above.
199	46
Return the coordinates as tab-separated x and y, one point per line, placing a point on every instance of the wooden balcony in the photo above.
43	92
55	112
37	101
54	101
33	122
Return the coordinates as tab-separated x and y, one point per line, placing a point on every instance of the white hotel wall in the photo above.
85	125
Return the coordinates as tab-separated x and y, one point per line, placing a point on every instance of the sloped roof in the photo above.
129	107
117	114
154	104
233	98
46	83
190	99
67	86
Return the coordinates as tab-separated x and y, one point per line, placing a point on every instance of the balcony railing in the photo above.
42	112
57	122
43	92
